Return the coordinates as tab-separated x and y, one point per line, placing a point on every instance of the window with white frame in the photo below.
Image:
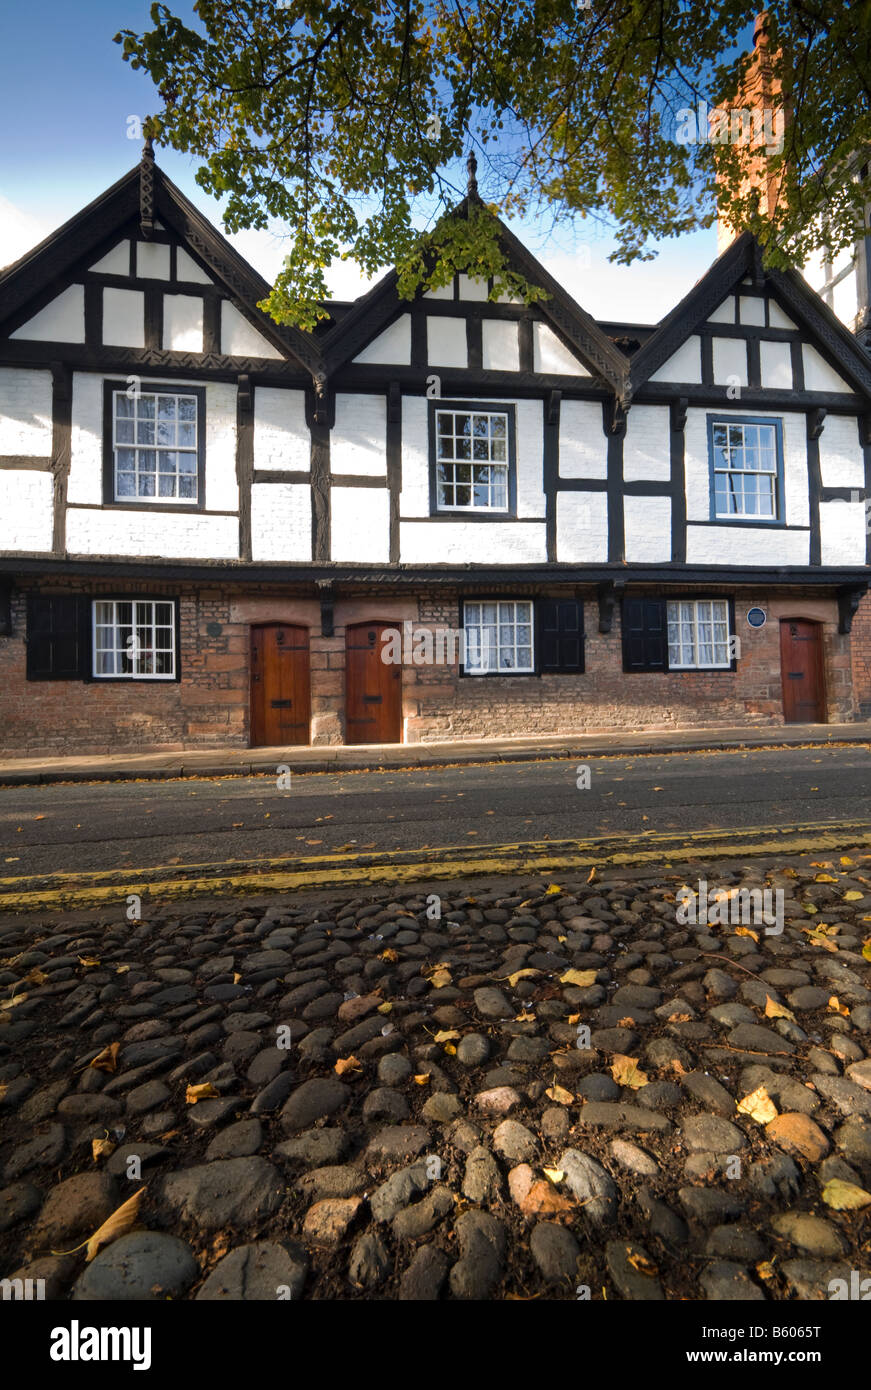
745	461
134	639
498	637
155	446
698	634
472	460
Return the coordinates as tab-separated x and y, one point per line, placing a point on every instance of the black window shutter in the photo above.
561	635
58	637
645	634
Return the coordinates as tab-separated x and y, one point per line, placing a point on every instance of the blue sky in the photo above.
65	99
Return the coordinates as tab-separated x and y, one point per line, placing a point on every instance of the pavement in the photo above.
241	762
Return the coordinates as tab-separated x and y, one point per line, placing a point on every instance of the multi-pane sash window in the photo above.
498	637
154	442
134	638
745	469
472	460
698	634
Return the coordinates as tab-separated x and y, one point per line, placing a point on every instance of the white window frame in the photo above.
503	619
697	618
138	448
495	466
736	445
127	652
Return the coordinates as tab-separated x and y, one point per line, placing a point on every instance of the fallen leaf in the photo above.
526	974
555	1174
205	1091
836	1007
236	978
87	963
450	1049
852	896
16	999
560	1095
845	1196
626	1072
107	1060
446	1035
118	1224
524	1018
592	873
825	878
423	1079
759	1106
573	1018
347	1064
773	1010
389	954
745	931
385	1008
582	978
101	1148
642	1263
765	1269
552	888
866	949
440	978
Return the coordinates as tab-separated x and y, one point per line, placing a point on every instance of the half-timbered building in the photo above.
212	527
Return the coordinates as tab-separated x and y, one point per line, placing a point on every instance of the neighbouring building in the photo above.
210	525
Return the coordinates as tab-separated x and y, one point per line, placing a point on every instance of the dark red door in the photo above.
373	687
802	672
280	685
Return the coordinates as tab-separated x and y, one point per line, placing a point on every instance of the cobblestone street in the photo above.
512	1089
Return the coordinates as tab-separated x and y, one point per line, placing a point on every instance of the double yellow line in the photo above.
69	891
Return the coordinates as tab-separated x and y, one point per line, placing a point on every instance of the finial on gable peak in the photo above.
472	169
146	189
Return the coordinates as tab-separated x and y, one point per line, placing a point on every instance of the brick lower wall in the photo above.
209	706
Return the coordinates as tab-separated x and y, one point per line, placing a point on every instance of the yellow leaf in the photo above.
591	875
560	1095
745	931
552	888
35	976
845	1196
118	1224
101	1148
759	1106
384	1008
836	1007
446	1035
236	978
642	1264
346	1064
450	1049
574	1018
809	908
555	1174
826	878
852	896
773	1010
526	974
440	978
389	954
16	999
765	1269
847	861
205	1091
524	1018
626	1072
88	963
107	1060
121	969
582	978
866	949
423	1079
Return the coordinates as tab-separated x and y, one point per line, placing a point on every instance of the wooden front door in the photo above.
802	672
280	685
373	688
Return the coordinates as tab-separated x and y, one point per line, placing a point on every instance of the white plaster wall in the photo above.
550	355
583	448
281	521
239	338
647	445
581	527
358	443
186	268
25	412
683	365
152	260
795	478
182	323
414	496
391	347
775	360
473	287
116	261
741	545
730	360
842	533
753	310
841	458
725	312
124	318
183	535
647	529
26	509
530	458
443	292
458	542
845	300
446	342
62	320
222	489
360	525
501	348
818	375
86	440
282	438
776	317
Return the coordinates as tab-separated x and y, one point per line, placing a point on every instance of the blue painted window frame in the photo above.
727	418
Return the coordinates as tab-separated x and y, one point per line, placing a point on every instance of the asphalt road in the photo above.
82	827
